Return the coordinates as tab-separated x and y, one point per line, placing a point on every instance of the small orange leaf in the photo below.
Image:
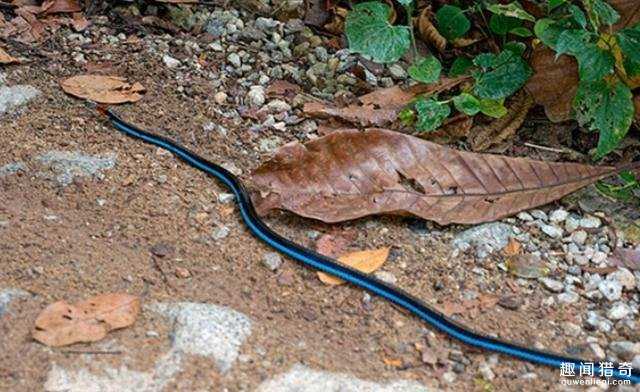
6	58
60	323
103	89
513	248
366	261
392	362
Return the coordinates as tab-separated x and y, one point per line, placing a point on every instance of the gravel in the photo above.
12	168
272	260
7	296
68	165
611	289
485	239
170	62
12	97
552	285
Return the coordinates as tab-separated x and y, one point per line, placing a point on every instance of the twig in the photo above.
559	150
92	352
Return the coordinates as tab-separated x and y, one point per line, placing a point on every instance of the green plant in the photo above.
607	63
494	76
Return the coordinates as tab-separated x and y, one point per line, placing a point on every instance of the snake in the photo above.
432	317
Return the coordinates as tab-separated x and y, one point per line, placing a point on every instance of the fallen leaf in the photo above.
555	81
349	174
331	245
103	89
628	258
317	13
380	107
5	58
452	130
79	22
365	261
513	247
283	88
482	137
392	362
61	324
60	6
527	266
428	31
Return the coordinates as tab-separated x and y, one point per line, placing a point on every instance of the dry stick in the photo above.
92	352
559	150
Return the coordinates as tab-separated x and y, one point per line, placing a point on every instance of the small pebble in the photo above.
618	311
611	289
559	215
525	216
170	62
590	222
182	272
551	231
552	284
539	214
272	260
220	97
386	277
220	233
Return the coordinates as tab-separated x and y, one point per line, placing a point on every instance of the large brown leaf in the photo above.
350	173
554	82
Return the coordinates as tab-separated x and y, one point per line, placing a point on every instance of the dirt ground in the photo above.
61	243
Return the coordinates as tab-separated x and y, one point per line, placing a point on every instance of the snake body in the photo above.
389	292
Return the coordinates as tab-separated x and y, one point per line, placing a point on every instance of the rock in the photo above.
8	295
579	237
397	72
611	289
225	198
13	96
278	106
272	260
572	223
636	362
170	62
220	97
234	59
485	371
625	349
449	377
594	320
552	285
618	311
209	330
539	214
568	297
255	97
525	216
512	302
486	238
598	352
551	231
265	24
571	329
182	273
386	277
301	378
12	168
161	249
624	277
590	222
220	233
69	165
558	215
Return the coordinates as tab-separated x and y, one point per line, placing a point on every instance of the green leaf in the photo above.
501	24
516	47
369	32
493	107
548	31
629	41
506	74
606	107
406	3
452	23
426	70
467	104
521	32
624	192
513	10
594	63
552	4
407	117
484	60
460	66
632	68
431	114
572	42
578	15
604	13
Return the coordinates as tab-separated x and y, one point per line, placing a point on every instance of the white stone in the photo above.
611	289
624	277
568	297
256	96
234	59
558	215
579	237
13	96
220	97
525	216
551	231
272	260
170	62
618	311
278	106
590	222
301	378
552	284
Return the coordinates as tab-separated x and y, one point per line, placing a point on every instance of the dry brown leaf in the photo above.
6	58
79	22
60	323
513	247
484	136
380	107
554	82
349	174
428	31
628	258
365	261
103	89
60	6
